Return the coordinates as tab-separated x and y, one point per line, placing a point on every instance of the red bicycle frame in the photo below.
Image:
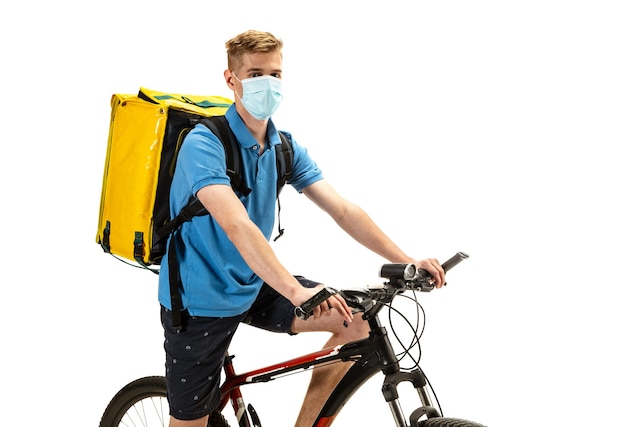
369	356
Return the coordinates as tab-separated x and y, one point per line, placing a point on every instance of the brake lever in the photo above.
423	281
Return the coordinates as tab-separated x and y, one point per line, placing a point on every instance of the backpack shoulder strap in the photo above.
193	208
221	129
284	162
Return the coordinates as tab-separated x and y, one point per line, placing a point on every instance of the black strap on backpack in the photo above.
223	132
284	160
219	126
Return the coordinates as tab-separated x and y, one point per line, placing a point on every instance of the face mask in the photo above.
261	95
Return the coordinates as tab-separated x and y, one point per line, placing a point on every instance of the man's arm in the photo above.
224	206
358	224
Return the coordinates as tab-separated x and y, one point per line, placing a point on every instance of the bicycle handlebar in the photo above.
457	258
306	310
400	278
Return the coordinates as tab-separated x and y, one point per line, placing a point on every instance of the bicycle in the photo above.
143	402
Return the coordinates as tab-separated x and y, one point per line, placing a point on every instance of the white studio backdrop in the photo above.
494	128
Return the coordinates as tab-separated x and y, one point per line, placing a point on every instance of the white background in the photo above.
491	127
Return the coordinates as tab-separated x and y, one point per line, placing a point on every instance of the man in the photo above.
228	270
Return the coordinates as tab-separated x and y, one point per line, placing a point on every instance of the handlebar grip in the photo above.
306	309
457	258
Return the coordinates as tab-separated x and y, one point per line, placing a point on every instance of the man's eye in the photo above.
276	75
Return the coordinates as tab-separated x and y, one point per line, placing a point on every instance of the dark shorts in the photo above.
194	356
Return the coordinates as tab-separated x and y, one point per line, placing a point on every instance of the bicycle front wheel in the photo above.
142	402
447	422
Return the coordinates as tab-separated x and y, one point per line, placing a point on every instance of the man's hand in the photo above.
335	301
434	268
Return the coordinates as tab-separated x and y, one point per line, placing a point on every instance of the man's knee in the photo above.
334	324
200	422
354	330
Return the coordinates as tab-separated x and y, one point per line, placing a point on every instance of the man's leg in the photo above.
193	362
324	379
201	422
273	312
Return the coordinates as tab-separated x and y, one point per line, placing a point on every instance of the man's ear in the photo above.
229	78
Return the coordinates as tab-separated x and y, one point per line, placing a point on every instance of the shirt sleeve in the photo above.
202	160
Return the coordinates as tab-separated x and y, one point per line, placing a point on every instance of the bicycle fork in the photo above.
390	392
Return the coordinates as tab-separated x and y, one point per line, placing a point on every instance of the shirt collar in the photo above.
244	137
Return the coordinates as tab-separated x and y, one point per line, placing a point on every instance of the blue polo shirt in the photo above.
216	280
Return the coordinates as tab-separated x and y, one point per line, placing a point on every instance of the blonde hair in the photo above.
250	41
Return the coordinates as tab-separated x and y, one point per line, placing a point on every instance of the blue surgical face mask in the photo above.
261	95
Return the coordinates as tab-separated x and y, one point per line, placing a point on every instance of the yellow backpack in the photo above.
146	131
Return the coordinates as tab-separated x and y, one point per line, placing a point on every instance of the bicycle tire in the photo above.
140	402
143	402
447	422
217	420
